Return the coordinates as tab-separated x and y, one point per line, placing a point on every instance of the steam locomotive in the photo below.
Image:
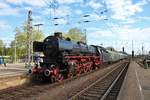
64	58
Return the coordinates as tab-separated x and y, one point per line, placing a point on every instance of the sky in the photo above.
117	23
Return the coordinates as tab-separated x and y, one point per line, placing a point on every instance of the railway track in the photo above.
29	90
106	88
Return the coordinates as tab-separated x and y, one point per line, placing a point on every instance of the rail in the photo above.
88	93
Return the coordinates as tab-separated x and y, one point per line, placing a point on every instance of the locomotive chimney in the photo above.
58	35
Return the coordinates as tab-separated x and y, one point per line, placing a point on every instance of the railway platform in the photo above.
136	84
12	69
12	65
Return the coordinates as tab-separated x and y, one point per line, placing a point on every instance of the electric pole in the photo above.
15	48
85	36
123	49
132	50
29	37
142	49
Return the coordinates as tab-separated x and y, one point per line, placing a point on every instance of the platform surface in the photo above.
13	69
136	85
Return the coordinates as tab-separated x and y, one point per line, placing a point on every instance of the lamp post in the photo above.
38	26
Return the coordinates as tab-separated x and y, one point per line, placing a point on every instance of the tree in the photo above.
21	40
76	35
1	47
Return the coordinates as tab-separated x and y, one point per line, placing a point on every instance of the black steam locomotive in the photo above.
64	58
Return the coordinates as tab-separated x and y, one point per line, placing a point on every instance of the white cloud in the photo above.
99	34
39	3
123	37
3	5
62	11
7	40
129	21
138	36
4	26
17	2
78	12
123	9
135	34
93	29
94	17
69	1
38	20
94	5
143	18
35	17
8	10
28	8
60	21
